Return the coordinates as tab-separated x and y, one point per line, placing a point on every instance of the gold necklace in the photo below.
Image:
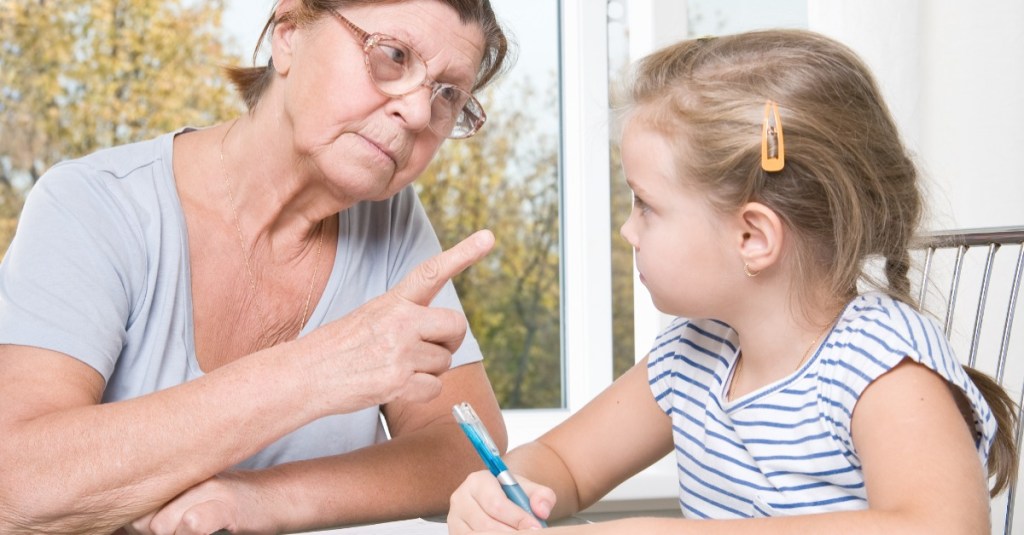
245	256
807	353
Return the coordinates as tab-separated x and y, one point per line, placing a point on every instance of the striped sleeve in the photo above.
686	361
874	335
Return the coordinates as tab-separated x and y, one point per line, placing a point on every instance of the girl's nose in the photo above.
626	230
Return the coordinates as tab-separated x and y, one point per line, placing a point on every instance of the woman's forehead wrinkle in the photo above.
432	37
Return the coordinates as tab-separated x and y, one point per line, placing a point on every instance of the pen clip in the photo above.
479	437
466	416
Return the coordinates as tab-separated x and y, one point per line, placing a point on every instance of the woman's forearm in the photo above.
409	476
95	467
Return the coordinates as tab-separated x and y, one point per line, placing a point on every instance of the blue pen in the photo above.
484	445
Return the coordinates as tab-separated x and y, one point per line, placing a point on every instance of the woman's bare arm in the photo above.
70	464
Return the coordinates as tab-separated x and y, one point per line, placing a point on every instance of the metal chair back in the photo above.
984	268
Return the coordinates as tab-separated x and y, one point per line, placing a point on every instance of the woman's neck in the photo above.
279	201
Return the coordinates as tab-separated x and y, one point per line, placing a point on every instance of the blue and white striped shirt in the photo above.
786	448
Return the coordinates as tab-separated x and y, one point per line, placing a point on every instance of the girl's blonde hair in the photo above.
848	189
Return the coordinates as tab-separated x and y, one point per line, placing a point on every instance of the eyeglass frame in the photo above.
371	40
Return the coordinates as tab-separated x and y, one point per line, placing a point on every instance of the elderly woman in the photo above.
204	331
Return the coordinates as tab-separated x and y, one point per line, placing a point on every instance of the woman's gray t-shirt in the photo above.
99	270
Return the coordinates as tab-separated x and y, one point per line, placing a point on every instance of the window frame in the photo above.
586	308
584	224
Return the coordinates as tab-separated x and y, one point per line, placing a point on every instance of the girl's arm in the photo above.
613	437
619	433
921	471
921	468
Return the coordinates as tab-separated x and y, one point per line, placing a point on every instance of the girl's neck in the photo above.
776	338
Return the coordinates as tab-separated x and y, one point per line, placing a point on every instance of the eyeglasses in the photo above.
397	70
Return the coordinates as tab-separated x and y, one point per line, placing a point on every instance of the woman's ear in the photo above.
281	38
761	237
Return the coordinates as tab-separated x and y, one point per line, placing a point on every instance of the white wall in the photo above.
953	74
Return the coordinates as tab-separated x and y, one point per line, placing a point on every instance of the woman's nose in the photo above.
413	108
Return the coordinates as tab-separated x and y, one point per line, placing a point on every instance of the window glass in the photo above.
719	17
506	178
623	337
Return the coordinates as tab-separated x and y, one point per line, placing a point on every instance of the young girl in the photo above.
767	173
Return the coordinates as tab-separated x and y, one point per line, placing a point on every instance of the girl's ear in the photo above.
281	38
761	237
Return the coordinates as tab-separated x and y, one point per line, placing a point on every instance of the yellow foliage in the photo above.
79	76
508	183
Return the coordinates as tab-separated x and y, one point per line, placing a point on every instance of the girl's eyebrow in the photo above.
635	188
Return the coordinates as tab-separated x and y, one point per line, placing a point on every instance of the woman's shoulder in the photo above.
118	194
116	162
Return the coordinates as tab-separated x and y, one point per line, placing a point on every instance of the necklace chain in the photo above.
807	353
246	256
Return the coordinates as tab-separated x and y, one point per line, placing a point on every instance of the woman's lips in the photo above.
382	149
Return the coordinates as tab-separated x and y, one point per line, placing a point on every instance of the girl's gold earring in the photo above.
747	272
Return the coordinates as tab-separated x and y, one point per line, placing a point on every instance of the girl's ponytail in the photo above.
1002	458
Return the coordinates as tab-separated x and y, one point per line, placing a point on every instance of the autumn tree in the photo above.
623	348
78	76
506	179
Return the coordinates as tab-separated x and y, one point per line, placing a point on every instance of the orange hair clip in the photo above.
773	149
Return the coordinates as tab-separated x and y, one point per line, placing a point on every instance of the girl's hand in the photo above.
230	501
479	504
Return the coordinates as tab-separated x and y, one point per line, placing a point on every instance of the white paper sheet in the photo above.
416	526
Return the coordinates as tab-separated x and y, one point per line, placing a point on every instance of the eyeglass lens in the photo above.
397	70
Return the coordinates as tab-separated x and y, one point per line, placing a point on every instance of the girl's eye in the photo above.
639	204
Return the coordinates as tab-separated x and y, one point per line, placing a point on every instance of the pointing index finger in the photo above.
422	283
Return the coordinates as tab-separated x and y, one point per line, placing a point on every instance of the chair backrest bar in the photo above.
994	239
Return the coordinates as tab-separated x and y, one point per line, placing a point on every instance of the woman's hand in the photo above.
229	501
479	504
394	346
